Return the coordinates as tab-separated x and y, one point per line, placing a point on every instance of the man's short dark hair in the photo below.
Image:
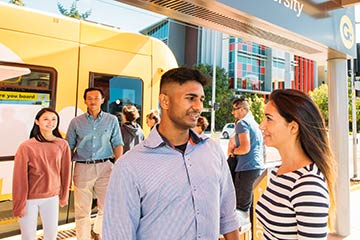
182	75
241	102
93	89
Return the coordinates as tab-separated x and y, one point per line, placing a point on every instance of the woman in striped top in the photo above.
298	200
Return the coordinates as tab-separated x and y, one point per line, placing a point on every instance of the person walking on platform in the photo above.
300	194
201	125
131	131
95	139
41	179
152	119
175	184
249	155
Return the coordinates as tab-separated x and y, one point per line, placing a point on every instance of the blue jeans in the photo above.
244	182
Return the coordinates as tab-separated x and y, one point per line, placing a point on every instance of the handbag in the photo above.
232	160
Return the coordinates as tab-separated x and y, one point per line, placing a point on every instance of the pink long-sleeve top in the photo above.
41	170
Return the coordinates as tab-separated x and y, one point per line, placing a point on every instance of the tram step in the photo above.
7	217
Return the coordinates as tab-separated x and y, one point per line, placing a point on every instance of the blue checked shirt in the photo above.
94	138
156	192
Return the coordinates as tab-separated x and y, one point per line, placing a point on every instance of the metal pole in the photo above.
339	139
213	87
236	64
70	190
354	127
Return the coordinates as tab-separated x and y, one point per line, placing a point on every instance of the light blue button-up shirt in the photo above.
157	192
94	138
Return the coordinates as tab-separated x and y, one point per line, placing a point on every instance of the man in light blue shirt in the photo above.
249	152
95	139
175	184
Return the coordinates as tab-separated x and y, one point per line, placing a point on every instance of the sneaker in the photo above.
245	227
95	235
244	221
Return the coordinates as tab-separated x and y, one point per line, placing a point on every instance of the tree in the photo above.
17	2
357	107
223	96
320	97
73	11
257	105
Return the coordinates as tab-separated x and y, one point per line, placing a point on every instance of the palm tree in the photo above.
17	2
73	11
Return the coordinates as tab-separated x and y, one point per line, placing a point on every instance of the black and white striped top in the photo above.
295	205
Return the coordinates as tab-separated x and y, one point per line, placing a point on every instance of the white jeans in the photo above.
49	213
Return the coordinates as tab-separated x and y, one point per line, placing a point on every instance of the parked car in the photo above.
228	130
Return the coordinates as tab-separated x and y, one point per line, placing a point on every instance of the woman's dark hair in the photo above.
202	122
294	105
130	113
153	116
35	131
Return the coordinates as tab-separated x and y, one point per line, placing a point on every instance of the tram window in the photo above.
24	90
20	77
119	91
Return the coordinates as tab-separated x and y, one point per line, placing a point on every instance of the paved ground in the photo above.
67	231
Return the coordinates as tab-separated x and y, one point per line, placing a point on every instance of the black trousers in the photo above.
244	182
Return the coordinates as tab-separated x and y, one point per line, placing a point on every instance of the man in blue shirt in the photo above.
175	184
95	139
249	154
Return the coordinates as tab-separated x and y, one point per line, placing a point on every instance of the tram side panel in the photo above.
120	63
50	55
65	56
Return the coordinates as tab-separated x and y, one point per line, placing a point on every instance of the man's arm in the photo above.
116	139
231	146
229	218
118	151
244	148
234	235
71	136
122	211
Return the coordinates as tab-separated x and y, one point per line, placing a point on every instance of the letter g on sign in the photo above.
347	32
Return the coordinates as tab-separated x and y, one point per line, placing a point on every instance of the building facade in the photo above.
252	67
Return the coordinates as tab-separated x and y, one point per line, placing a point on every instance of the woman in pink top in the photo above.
41	177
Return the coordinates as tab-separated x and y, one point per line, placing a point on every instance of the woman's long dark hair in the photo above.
35	131
294	105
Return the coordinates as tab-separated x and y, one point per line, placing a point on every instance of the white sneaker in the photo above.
245	228
244	221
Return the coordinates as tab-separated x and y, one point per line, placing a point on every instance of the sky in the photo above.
108	12
120	15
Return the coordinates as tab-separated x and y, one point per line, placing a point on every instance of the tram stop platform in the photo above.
67	231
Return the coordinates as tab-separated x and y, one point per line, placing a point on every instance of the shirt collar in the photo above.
155	140
100	115
249	114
